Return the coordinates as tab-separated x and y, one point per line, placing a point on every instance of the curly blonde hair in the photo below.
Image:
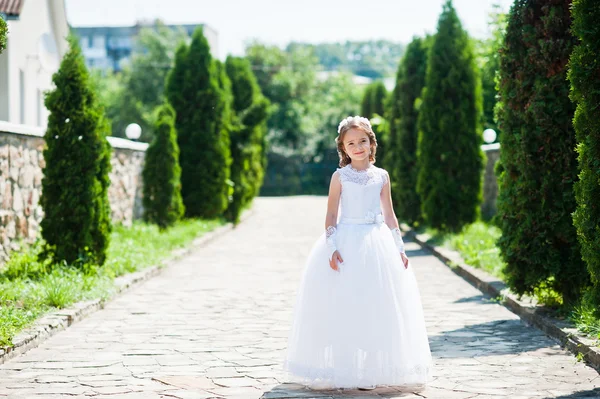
358	122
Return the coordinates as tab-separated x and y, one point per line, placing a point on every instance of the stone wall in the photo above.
21	164
490	183
125	191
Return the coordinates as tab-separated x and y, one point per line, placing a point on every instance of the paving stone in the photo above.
221	316
224	372
236	382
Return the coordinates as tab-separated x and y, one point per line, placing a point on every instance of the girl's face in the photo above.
357	144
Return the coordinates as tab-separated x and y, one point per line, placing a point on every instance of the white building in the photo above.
37	31
356	79
110	47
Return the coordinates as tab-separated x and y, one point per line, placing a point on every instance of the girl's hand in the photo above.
405	260
335	259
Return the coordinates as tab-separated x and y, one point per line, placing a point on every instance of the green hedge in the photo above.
193	89
162	174
536	200
584	75
401	157
450	160
76	224
248	137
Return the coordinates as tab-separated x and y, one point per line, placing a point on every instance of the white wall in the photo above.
27	79
4	86
212	37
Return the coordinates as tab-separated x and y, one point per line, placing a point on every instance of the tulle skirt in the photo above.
363	325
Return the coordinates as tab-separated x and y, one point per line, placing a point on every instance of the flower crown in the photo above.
349	119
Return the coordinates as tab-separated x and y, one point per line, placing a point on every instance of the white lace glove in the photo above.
330	240
398	239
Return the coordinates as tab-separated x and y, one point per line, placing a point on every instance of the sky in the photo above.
282	21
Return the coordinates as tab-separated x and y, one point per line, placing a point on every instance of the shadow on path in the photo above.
594	393
414	253
479	299
493	338
289	390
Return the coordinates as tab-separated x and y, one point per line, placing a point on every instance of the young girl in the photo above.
358	320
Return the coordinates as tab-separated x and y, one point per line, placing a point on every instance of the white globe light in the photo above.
133	131
489	135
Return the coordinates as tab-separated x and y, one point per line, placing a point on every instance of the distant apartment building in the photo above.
110	47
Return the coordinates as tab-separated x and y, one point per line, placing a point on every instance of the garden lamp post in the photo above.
489	135
133	131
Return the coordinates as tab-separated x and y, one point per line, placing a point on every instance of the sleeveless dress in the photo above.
364	325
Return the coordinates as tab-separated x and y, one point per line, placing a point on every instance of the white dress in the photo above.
363	325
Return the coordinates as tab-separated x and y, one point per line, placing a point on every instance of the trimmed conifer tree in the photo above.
377	105
250	114
229	124
162	174
584	75
255	119
378	98
401	157
200	106
366	103
374	100
491	65
536	200
3	34
450	160
76	224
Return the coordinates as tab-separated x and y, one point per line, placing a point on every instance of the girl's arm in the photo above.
333	202
390	216
386	204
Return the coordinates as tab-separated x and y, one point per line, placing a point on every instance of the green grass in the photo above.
584	316
144	245
29	288
477	245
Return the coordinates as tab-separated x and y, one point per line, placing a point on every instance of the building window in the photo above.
22	95
99	42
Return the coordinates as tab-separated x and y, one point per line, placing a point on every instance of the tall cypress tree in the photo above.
162	174
200	105
401	157
374	99
76	224
378	102
584	75
491	66
229	124
538	243
450	160
378	98
366	107
250	112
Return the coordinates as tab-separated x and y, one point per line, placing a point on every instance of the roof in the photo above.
11	8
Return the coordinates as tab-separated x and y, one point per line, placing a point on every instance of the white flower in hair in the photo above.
349	119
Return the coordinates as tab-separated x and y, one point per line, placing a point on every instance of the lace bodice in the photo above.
361	191
371	175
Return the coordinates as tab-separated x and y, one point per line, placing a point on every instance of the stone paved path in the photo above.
215	325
